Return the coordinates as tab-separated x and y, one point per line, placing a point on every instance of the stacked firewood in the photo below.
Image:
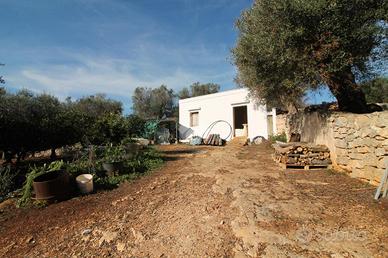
213	139
302	154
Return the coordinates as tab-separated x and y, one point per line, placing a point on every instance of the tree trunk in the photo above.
53	155
349	95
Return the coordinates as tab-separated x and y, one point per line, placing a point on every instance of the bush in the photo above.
134	165
6	180
30	122
279	137
110	128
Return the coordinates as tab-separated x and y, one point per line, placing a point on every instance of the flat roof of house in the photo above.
214	95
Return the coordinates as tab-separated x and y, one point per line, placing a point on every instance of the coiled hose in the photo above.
210	127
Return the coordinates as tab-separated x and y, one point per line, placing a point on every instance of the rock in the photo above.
357	164
341	121
368	132
382	162
382	121
86	231
370	142
358	156
120	247
258	140
222	222
107	237
379	138
30	240
363	150
342	160
341	144
139	237
142	141
362	121
380	152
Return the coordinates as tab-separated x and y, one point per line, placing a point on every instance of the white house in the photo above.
233	109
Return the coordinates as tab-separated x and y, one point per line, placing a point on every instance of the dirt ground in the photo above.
231	201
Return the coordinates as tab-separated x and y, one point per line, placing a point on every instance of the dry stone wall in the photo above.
358	143
281	123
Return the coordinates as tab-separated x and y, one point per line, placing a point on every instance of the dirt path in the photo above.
209	202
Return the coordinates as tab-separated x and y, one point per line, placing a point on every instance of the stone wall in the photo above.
358	143
281	123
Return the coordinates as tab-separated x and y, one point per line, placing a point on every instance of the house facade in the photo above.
230	113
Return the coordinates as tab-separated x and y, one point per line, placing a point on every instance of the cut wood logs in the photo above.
295	154
214	139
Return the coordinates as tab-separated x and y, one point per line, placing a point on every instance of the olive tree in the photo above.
153	103
285	48
198	89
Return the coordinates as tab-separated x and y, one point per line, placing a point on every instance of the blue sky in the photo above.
82	47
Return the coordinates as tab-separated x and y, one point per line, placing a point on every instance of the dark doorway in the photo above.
240	117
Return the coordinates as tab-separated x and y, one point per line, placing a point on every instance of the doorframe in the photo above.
241	104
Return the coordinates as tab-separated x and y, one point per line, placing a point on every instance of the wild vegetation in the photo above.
376	90
90	131
161	102
198	89
288	47
31	123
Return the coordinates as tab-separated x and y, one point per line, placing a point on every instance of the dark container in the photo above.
54	185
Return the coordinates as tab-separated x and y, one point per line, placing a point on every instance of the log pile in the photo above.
300	154
213	139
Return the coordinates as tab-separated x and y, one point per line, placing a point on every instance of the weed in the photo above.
6	180
279	137
25	200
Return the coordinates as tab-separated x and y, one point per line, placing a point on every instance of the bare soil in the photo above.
231	201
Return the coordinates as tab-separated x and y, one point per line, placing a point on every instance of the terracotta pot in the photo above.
54	185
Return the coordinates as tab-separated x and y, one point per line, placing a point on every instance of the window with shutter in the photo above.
194	119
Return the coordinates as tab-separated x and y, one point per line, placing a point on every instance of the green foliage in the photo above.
114	154
135	126
198	89
376	90
150	128
31	122
25	199
110	128
288	47
279	137
96	106
153	103
6	180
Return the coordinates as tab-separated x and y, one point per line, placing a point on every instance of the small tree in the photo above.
154	103
287	47
198	89
376	90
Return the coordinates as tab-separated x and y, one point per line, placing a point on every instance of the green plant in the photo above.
286	48
25	199
150	128
279	137
114	154
6	180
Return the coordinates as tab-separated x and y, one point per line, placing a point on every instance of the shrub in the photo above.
279	137
110	128
6	180
30	122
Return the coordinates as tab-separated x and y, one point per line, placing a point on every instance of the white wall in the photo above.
219	106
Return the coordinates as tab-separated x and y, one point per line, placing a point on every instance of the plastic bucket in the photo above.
85	183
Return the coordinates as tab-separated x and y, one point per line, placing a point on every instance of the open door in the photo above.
240	117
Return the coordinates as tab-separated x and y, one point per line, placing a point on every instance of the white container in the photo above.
85	183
